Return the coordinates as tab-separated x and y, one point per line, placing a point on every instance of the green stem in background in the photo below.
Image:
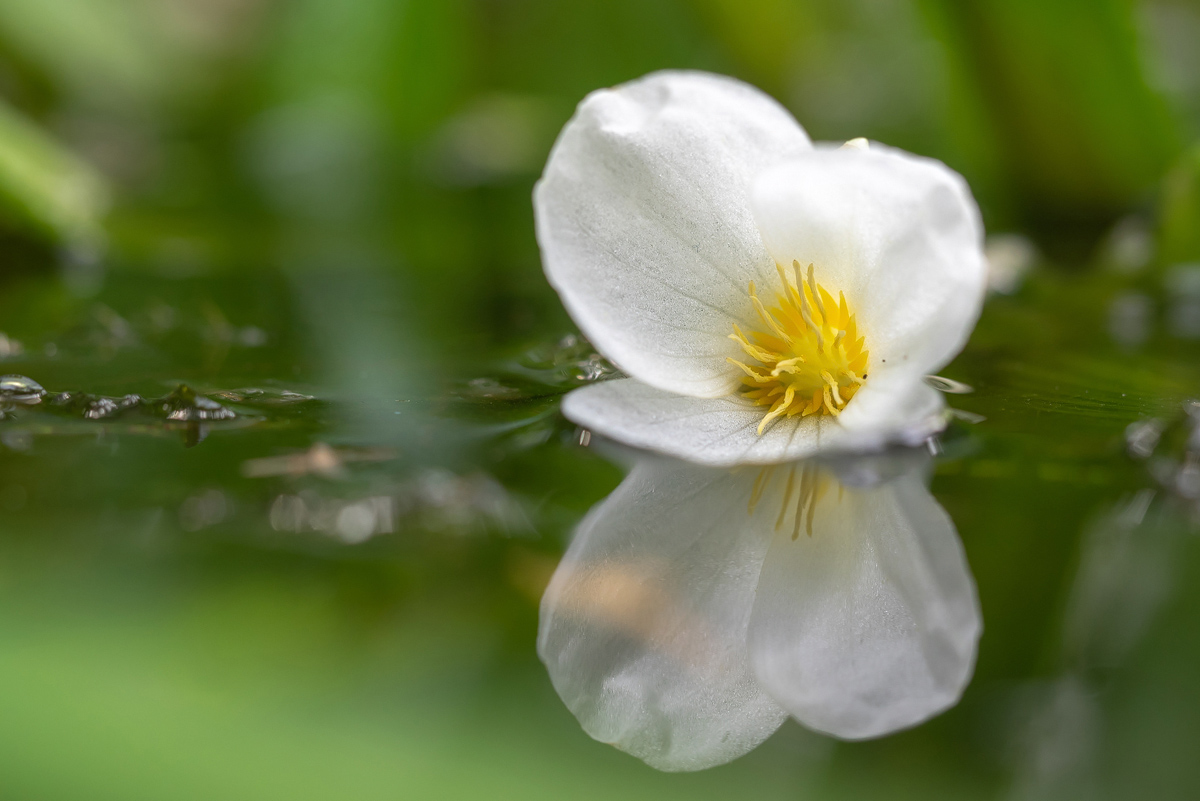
47	190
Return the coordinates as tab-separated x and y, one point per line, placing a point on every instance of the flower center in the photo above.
810	359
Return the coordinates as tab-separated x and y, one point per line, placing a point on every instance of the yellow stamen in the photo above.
816	291
810	359
829	407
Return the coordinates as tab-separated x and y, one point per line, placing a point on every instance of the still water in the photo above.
284	533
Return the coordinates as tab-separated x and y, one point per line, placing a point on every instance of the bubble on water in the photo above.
21	389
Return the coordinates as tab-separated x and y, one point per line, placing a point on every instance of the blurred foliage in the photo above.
1062	115
45	189
1180	210
1081	131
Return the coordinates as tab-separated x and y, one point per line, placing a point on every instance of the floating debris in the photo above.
101	408
28	408
185	406
93	407
183	409
540	375
569	362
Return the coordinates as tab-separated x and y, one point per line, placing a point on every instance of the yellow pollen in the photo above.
810	359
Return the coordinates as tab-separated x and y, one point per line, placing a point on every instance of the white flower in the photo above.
697	608
768	299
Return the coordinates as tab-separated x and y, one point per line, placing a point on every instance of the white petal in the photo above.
645	226
893	406
871	624
723	431
643	627
899	234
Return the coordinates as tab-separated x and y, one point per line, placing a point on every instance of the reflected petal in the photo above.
643	627
870	624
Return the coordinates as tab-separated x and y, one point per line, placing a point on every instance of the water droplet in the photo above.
20	389
948	385
100	408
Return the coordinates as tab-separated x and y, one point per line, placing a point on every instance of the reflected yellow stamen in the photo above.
760	484
787	498
805	485
810	359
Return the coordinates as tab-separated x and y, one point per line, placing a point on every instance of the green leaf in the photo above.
44	188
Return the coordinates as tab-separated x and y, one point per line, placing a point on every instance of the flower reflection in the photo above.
698	608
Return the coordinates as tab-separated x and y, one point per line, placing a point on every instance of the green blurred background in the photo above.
328	202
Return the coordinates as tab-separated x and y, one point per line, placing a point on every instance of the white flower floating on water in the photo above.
768	299
697	608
